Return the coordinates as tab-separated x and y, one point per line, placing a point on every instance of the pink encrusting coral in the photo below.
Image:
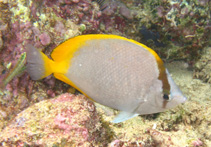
67	119
45	39
197	143
115	15
78	11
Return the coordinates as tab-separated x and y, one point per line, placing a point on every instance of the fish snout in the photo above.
180	98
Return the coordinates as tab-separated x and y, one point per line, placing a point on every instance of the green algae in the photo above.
17	69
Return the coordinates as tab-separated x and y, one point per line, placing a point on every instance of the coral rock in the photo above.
45	39
68	119
203	67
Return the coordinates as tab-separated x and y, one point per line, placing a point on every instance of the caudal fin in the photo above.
38	64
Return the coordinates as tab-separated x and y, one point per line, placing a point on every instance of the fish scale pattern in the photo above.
114	72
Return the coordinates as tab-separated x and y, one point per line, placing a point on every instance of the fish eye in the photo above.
166	97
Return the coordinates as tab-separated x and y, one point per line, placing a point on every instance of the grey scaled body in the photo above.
118	74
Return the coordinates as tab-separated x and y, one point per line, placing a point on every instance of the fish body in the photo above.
114	71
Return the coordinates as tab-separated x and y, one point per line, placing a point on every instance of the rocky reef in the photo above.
203	66
31	114
181	28
67	120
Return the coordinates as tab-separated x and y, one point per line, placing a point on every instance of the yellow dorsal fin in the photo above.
70	46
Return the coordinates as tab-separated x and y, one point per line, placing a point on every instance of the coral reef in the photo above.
175	29
67	120
115	16
183	26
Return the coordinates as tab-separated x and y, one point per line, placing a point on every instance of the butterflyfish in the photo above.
114	71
